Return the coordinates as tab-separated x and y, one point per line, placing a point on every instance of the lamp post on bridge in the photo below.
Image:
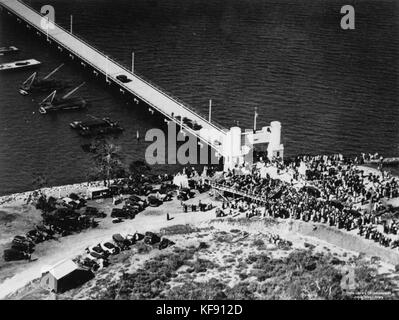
106	69
210	110
48	21
255	117
71	25
132	62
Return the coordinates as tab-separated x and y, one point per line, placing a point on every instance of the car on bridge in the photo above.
123	78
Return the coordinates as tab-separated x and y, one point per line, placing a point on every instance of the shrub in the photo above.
142	248
258	243
230	259
241	291
309	246
243	276
203	245
202	265
210	290
149	281
251	259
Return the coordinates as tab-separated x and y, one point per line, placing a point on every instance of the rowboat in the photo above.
8	50
384	161
391	161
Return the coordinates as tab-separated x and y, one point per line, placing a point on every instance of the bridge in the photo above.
226	143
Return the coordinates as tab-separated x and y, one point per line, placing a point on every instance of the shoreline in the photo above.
152	219
64	190
55	191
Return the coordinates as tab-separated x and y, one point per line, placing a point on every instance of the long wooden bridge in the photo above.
140	89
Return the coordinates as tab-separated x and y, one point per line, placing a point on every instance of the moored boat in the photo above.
19	64
391	161
53	104
384	161
63	105
34	84
8	50
96	126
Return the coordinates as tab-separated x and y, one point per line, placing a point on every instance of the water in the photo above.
333	90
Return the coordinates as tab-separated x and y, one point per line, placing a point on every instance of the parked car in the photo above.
15	255
153	201
133	238
117	220
185	194
220	213
97	250
151	238
165	243
94	212
118	213
98	261
123	78
110	248
121	241
137	200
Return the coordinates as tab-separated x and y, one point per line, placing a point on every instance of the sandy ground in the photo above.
16	217
227	256
57	191
323	238
51	252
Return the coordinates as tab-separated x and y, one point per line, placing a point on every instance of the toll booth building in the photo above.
64	276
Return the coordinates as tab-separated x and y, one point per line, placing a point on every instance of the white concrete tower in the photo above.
232	148
275	148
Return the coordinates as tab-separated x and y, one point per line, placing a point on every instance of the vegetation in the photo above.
138	168
178	229
149	281
369	284
107	161
39	182
190	273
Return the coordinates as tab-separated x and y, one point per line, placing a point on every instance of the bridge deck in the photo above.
153	96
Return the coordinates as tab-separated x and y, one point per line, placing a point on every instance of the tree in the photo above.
38	183
107	160
137	168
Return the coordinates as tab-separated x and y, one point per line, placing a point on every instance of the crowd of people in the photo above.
331	190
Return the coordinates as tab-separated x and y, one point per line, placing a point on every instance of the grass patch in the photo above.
149	281
179	229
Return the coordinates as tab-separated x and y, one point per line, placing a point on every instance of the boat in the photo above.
384	161
96	126
391	161
53	104
373	161
34	84
19	64
8	50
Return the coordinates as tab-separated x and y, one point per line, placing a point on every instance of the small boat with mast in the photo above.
53	104
34	84
96	126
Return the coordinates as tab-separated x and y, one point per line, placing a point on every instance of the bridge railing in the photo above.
135	74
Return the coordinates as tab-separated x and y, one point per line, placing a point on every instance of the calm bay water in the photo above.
333	90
